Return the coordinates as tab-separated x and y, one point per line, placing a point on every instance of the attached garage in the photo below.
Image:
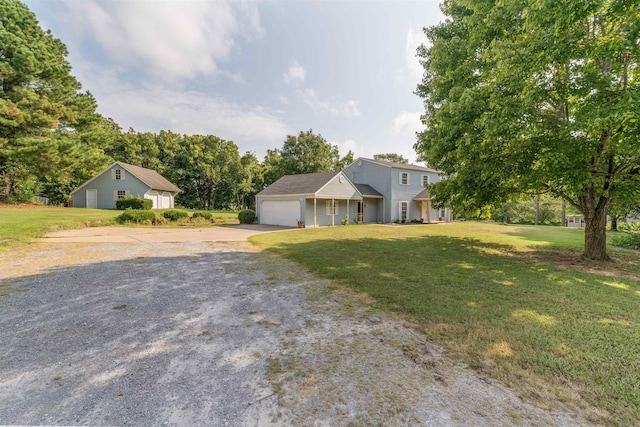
280	212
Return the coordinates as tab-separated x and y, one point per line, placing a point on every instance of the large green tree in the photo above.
45	122
534	97
305	153
391	157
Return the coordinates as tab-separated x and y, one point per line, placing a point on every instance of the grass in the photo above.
19	224
514	301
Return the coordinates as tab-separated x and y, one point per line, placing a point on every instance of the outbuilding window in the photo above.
117	174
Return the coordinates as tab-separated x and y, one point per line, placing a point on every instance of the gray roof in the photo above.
308	183
423	195
401	165
367	191
150	177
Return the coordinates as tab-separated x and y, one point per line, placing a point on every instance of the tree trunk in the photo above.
595	234
614	223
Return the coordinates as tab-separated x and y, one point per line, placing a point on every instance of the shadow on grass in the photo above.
499	308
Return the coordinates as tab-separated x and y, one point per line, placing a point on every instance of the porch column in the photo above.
428	211
315	222
347	211
333	212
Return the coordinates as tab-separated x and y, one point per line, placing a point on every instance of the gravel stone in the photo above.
218	334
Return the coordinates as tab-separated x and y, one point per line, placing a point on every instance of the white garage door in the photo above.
280	212
166	200
154	198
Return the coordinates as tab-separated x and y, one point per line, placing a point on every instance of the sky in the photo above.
252	72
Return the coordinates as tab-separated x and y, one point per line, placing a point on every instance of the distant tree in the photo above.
46	124
391	157
532	98
305	153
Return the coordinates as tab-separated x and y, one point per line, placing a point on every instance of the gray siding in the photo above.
336	189
377	176
322	219
106	185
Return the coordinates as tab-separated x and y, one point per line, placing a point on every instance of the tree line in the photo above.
52	139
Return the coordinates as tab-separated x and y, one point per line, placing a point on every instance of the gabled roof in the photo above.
367	191
423	195
308	183
150	177
153	179
399	165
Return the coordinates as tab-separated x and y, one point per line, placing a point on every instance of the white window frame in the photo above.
117	195
402	175
428	180
117	174
332	207
406	211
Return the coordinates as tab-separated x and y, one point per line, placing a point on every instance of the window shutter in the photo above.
115	195
122	174
113	174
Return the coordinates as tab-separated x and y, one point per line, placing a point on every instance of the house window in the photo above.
332	207
404	178
404	208
121	194
443	215
425	180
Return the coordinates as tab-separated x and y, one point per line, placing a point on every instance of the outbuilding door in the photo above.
166	200
92	199
280	212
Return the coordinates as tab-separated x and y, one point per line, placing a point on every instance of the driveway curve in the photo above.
215	333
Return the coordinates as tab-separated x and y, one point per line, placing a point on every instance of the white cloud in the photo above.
295	74
346	145
406	123
335	108
168	39
414	39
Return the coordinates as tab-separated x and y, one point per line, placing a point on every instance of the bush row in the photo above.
139	203
142	216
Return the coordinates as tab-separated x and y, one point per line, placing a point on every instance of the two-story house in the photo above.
369	191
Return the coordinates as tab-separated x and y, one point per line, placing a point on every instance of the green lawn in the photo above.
513	301
20	224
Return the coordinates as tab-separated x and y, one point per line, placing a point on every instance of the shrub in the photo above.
247	216
631	237
174	214
160	220
205	215
139	203
136	216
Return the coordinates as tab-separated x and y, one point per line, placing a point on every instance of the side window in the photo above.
332	207
122	194
404	178
425	180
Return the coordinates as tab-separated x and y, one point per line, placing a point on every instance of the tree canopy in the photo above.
534	97
305	153
391	157
44	120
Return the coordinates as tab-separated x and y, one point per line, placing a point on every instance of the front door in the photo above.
92	199
424	211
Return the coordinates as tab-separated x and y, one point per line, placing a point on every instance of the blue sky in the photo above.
252	72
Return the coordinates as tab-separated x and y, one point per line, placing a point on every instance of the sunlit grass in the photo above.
497	296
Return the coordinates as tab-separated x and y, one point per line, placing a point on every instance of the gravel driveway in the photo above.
204	333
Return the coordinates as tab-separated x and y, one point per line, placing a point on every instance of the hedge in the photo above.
174	214
205	215
135	215
134	203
